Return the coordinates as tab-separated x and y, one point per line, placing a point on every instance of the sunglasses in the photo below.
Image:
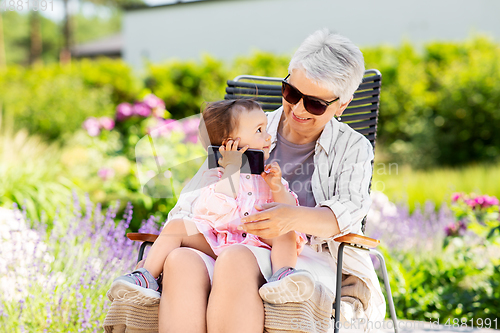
312	104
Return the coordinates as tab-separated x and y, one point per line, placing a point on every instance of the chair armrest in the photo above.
358	240
136	236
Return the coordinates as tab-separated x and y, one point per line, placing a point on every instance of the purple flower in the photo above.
461	227
153	101
105	173
124	111
91	125
107	123
142	109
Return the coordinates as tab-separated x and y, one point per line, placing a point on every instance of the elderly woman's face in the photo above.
298	120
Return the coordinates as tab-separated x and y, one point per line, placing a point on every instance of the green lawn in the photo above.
401	183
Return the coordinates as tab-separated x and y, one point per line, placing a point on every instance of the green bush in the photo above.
438	103
462	281
31	175
443	266
184	86
439	106
53	100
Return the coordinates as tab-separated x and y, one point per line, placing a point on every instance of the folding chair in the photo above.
361	115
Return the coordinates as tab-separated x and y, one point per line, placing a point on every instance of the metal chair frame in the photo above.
361	115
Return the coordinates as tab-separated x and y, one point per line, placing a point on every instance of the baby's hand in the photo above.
272	175
230	153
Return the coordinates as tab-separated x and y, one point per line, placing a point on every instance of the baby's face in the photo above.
252	131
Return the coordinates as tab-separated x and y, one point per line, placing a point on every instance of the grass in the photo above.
415	187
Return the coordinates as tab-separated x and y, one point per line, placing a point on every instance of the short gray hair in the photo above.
332	61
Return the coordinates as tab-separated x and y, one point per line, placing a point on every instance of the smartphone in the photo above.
252	160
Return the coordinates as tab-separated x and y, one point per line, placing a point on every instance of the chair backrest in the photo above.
361	114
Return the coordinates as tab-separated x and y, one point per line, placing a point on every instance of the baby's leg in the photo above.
286	284
174	235
284	250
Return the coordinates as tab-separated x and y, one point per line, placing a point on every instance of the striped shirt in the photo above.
340	181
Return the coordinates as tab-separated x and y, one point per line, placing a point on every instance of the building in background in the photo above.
110	46
228	28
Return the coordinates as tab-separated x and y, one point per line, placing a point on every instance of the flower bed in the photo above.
56	280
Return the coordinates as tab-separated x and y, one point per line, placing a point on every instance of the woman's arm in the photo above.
275	219
347	201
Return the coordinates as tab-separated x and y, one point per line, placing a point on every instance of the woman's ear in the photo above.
343	107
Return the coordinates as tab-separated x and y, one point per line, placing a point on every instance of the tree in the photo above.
35	38
3	61
68	32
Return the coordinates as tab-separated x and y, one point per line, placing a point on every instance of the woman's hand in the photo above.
230	153
273	220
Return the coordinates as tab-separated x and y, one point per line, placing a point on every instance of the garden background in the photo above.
69	189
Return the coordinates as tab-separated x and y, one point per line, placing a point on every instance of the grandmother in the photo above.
326	163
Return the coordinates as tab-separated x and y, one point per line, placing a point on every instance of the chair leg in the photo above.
387	288
340	256
141	250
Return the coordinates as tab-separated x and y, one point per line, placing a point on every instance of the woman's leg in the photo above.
173	236
186	286
234	304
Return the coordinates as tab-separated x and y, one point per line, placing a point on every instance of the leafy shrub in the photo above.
31	175
185	86
438	103
439	106
261	63
479	213
123	165
53	100
436	272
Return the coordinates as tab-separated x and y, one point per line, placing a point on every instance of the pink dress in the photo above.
218	216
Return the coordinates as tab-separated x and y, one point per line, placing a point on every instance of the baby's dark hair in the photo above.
220	119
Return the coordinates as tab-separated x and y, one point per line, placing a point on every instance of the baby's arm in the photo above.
272	176
229	184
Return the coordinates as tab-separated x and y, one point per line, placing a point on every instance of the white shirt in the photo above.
340	181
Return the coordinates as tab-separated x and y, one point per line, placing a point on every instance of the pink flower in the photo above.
142	109
450	229
91	125
162	127
471	203
455	228
456	196
105	173
489	201
479	201
153	102
193	138
124	111
107	123
190	128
